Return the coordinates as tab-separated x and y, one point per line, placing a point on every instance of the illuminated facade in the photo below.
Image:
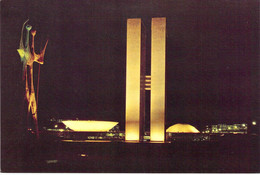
137	82
84	130
158	40
182	128
134	92
89	125
224	128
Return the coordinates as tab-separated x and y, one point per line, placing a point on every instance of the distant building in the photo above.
171	137
84	130
185	132
227	129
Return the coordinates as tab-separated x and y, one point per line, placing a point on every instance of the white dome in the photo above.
182	128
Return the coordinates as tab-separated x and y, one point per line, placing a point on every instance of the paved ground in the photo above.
232	156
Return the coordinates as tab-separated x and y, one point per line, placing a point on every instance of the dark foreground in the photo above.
229	156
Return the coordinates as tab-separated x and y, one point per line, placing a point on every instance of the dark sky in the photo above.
212	59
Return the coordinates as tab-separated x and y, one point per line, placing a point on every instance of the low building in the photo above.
226	129
84	130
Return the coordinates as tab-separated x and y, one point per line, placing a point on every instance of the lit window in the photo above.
110	134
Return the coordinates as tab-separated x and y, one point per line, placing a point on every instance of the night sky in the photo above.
212	59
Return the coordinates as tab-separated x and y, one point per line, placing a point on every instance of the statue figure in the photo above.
28	59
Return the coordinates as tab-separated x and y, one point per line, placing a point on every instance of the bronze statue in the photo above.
28	59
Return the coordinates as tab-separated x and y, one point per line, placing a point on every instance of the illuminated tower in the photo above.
137	82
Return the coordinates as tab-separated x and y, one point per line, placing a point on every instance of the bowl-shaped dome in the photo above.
182	128
89	125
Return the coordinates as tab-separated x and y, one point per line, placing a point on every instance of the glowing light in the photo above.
254	123
89	126
182	128
61	130
132	141
91	141
158	43
28	59
83	155
51	161
110	134
133	74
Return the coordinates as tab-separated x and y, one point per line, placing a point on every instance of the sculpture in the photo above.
28	59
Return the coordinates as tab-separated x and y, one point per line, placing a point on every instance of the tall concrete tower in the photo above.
137	82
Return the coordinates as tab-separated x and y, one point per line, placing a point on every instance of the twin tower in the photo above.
137	82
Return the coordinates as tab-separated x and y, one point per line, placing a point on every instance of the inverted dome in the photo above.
182	128
89	125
